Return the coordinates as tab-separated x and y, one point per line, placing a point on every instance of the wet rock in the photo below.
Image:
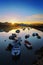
9	47
17	31
38	37
27	36
5	40
35	34
23	28
13	36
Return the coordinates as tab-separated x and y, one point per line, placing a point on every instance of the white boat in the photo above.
28	44
16	51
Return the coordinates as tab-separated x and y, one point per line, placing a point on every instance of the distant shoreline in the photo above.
9	26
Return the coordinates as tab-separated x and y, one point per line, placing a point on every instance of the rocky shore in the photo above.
39	54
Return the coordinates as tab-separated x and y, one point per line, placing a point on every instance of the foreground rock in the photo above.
9	47
39	54
12	37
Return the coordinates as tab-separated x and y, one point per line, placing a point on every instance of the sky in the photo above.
21	10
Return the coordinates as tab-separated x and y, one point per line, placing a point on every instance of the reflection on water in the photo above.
27	56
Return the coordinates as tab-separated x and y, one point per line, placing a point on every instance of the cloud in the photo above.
9	18
18	18
37	17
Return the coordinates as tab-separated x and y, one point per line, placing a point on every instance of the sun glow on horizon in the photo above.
12	23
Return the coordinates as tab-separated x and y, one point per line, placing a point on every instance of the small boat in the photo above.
16	51
28	44
27	36
17	31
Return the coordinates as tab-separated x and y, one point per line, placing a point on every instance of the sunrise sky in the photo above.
21	11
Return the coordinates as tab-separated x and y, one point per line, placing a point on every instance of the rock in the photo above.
17	31
9	47
27	36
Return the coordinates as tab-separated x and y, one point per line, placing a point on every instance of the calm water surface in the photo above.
27	56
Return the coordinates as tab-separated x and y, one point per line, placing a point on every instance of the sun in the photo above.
12	23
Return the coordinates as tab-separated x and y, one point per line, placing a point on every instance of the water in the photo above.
27	56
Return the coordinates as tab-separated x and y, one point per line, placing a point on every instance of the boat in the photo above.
28	44
15	51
